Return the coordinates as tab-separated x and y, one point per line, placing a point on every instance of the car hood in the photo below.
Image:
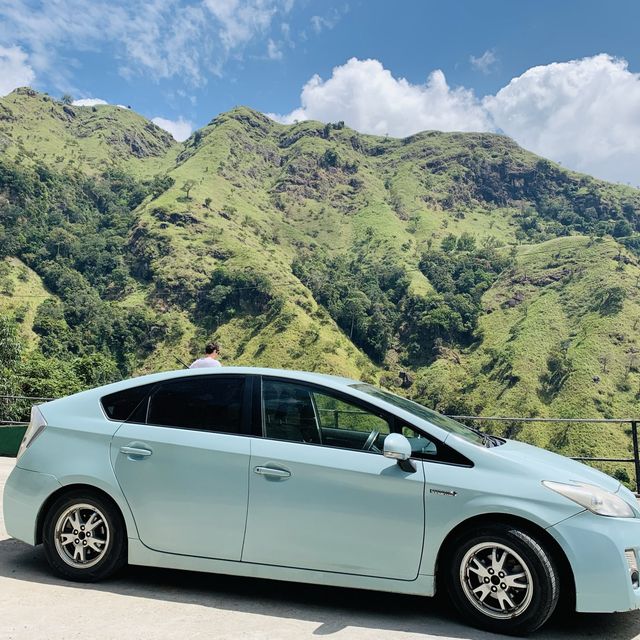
544	465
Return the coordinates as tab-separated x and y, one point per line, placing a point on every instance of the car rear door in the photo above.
321	507
182	463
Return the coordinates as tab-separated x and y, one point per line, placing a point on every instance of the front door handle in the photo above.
136	451
270	471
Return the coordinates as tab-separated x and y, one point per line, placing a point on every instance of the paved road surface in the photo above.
145	604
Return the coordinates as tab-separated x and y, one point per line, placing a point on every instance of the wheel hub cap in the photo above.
81	535
496	580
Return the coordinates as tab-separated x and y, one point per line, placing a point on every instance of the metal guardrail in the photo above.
632	422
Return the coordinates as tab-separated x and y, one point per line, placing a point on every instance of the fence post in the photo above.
636	454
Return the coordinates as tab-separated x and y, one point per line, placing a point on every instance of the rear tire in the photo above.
502	579
84	537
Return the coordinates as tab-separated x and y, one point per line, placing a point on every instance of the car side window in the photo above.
128	404
430	450
288	412
420	444
302	413
203	403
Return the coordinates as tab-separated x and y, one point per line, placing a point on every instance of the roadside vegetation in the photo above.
456	268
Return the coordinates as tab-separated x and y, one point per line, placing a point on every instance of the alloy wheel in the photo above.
496	580
81	535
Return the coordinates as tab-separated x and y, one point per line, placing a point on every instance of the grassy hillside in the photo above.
474	275
34	126
21	293
558	338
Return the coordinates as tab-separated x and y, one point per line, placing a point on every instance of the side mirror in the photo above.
397	447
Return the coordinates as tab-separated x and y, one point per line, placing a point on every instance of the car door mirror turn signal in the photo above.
398	448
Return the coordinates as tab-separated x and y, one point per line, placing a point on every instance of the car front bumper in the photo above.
595	547
24	494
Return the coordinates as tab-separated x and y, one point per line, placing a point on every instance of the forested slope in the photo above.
474	275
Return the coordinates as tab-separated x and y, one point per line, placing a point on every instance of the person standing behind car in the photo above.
212	352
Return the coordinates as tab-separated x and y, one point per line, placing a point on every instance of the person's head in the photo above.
212	349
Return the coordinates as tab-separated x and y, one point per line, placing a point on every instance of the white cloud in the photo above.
160	38
241	20
583	113
89	102
286	33
318	23
485	62
273	50
328	21
180	129
368	98
14	69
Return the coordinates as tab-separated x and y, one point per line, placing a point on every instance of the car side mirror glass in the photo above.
397	447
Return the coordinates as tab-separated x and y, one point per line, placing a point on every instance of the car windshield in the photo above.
448	424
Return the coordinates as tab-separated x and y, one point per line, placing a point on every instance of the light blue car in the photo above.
313	478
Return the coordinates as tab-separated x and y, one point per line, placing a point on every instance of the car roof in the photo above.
90	400
324	379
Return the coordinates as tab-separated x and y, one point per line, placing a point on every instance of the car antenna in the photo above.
182	362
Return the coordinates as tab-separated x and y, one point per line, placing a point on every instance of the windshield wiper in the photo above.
487	439
493	441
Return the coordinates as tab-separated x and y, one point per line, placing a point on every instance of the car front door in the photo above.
322	496
182	462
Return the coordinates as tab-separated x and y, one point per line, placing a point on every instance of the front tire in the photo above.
84	537
502	579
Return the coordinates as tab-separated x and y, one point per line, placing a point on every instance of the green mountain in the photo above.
91	139
458	267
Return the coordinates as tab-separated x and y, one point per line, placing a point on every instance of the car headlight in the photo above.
597	500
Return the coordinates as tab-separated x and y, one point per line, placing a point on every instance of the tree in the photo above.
559	368
621	229
66	99
329	159
355	308
187	186
449	243
610	300
466	242
10	344
207	202
160	184
11	348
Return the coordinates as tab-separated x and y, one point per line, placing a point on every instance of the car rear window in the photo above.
121	405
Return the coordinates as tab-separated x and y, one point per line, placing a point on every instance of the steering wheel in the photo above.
368	445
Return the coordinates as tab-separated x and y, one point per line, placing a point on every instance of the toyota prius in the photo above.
314	478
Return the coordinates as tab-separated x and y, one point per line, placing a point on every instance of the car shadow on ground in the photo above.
335	608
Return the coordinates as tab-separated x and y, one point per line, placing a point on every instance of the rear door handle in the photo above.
270	471
136	451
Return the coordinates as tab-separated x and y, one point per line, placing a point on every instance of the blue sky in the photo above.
383	67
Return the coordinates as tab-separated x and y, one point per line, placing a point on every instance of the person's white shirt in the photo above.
202	363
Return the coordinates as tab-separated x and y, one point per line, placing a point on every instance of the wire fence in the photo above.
15	410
